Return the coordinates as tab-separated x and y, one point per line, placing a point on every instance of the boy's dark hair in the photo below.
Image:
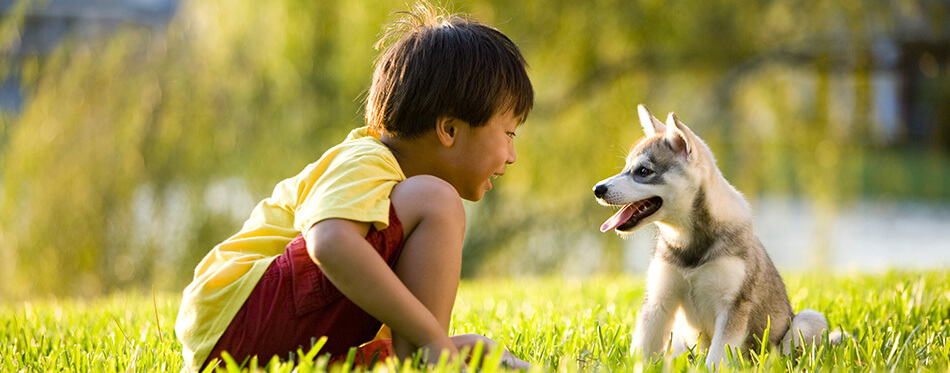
444	65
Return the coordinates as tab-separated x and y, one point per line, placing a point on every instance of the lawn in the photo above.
900	322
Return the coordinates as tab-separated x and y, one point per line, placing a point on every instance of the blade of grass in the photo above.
158	322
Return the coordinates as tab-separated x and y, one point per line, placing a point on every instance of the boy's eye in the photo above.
511	134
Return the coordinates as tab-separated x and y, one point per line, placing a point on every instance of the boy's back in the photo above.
372	232
363	171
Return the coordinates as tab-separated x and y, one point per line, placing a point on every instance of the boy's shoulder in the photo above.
352	181
357	150
358	144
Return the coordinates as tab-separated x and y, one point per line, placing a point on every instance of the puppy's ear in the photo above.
676	136
651	125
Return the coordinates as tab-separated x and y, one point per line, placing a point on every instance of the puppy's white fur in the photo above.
709	273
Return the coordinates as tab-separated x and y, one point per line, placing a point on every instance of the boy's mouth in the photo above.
630	215
493	177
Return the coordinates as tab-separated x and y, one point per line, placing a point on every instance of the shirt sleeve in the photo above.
354	188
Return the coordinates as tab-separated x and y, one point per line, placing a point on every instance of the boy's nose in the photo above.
512	155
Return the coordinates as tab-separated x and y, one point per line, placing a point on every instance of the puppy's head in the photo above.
656	179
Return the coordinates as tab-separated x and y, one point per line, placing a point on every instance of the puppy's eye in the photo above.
643	171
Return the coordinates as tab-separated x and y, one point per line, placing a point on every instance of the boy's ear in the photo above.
447	129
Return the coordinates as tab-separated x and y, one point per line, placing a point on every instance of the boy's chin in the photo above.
473	196
473	192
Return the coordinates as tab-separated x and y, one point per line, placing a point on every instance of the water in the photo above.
869	236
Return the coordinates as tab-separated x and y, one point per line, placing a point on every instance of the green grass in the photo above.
900	322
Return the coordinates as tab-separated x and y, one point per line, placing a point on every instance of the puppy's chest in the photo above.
710	290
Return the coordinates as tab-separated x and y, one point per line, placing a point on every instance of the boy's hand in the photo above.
433	351
507	358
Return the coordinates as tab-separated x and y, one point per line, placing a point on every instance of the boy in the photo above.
372	232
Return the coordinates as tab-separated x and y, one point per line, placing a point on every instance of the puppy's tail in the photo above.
807	326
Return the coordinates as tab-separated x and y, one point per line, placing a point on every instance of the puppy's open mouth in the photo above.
631	214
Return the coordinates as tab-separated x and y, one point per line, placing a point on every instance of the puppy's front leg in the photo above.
654	325
731	328
655	321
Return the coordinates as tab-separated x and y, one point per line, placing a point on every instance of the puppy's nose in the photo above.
600	190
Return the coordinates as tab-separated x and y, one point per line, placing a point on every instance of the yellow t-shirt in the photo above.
352	180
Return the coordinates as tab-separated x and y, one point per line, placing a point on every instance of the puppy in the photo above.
709	272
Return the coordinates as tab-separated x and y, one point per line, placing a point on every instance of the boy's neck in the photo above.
416	156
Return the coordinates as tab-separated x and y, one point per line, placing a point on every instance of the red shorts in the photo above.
294	304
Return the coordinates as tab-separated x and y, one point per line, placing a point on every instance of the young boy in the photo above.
372	232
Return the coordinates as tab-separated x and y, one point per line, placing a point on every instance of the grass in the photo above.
900	322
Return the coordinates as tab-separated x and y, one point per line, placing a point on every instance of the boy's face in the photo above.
483	153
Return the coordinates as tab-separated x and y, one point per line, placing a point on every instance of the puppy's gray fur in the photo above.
709	273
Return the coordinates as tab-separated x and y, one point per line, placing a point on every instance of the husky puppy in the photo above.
709	273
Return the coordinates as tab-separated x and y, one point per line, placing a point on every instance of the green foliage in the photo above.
108	166
136	152
899	322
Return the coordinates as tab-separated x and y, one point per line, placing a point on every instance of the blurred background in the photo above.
137	134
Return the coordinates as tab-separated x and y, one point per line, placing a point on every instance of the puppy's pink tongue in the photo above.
619	218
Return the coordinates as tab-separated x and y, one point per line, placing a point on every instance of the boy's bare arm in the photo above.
338	246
